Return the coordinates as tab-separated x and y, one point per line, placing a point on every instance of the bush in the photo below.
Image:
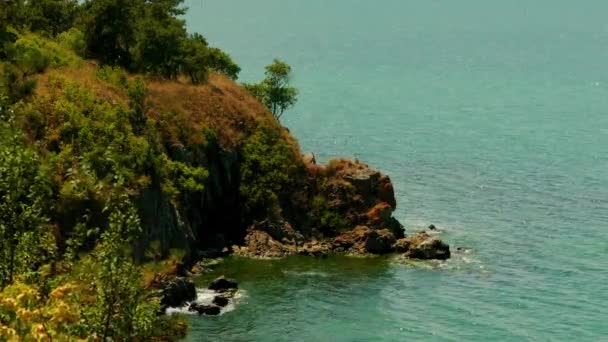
113	75
269	170
325	220
219	61
24	197
74	40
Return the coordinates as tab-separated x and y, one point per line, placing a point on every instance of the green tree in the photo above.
159	34
194	54
275	91
52	16
199	59
109	27
269	171
219	61
122	309
23	194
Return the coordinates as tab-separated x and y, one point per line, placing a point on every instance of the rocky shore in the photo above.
361	197
365	199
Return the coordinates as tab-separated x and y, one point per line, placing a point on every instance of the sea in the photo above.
491	118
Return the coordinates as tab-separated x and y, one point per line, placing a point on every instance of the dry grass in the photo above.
183	110
86	76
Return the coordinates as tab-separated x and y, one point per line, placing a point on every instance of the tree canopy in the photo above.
275	91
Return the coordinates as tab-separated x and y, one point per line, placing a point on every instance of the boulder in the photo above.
202	309
379	241
177	292
363	240
220	301
223	284
260	244
315	248
423	246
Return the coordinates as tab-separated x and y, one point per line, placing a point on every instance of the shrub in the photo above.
219	61
269	170
74	40
113	75
24	195
325	220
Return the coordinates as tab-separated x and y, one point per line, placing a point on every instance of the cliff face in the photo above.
209	168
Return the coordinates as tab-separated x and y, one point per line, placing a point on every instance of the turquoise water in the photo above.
491	118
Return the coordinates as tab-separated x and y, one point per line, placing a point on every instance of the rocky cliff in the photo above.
209	168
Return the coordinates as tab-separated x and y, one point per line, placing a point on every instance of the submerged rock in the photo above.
223	284
204	309
220	301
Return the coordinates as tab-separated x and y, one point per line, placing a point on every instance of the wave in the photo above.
205	297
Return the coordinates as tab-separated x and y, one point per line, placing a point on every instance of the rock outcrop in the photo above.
423	246
177	292
223	284
351	212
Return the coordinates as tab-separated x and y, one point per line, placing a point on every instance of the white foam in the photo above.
306	274
205	297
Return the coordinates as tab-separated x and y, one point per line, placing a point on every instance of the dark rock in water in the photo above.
379	241
177	292
203	309
220	301
222	284
432	227
428	248
423	246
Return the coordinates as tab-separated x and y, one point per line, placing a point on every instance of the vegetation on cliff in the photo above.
127	151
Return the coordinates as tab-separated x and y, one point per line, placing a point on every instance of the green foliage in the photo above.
137	92
109	27
115	76
198	58
121	309
7	39
74	40
274	91
51	16
182	178
194	51
268	170
27	56
30	56
150	37
325	220
24	195
159	34
219	61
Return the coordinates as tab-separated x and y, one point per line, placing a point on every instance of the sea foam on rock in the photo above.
177	292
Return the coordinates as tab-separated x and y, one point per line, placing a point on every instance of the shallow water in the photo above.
491	118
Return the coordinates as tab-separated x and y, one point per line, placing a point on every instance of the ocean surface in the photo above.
491	117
